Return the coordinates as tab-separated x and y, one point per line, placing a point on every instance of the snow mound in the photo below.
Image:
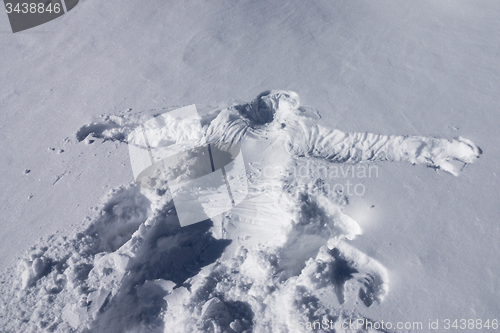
134	269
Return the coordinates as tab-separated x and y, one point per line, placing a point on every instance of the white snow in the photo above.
74	88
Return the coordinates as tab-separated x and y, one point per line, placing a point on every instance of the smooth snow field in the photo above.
252	166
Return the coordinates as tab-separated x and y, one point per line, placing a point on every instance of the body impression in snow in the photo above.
269	253
241	170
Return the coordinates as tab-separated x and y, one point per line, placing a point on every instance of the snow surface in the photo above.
428	69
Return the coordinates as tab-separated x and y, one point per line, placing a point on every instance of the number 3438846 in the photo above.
469	324
32	8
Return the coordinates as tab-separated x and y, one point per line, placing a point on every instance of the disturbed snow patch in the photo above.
265	265
116	127
56	272
134	269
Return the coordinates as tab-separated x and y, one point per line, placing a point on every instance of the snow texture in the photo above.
260	267
428	69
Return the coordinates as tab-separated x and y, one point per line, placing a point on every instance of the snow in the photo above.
73	89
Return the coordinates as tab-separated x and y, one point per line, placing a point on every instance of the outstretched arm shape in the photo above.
338	146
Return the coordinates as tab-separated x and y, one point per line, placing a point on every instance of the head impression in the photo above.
270	105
